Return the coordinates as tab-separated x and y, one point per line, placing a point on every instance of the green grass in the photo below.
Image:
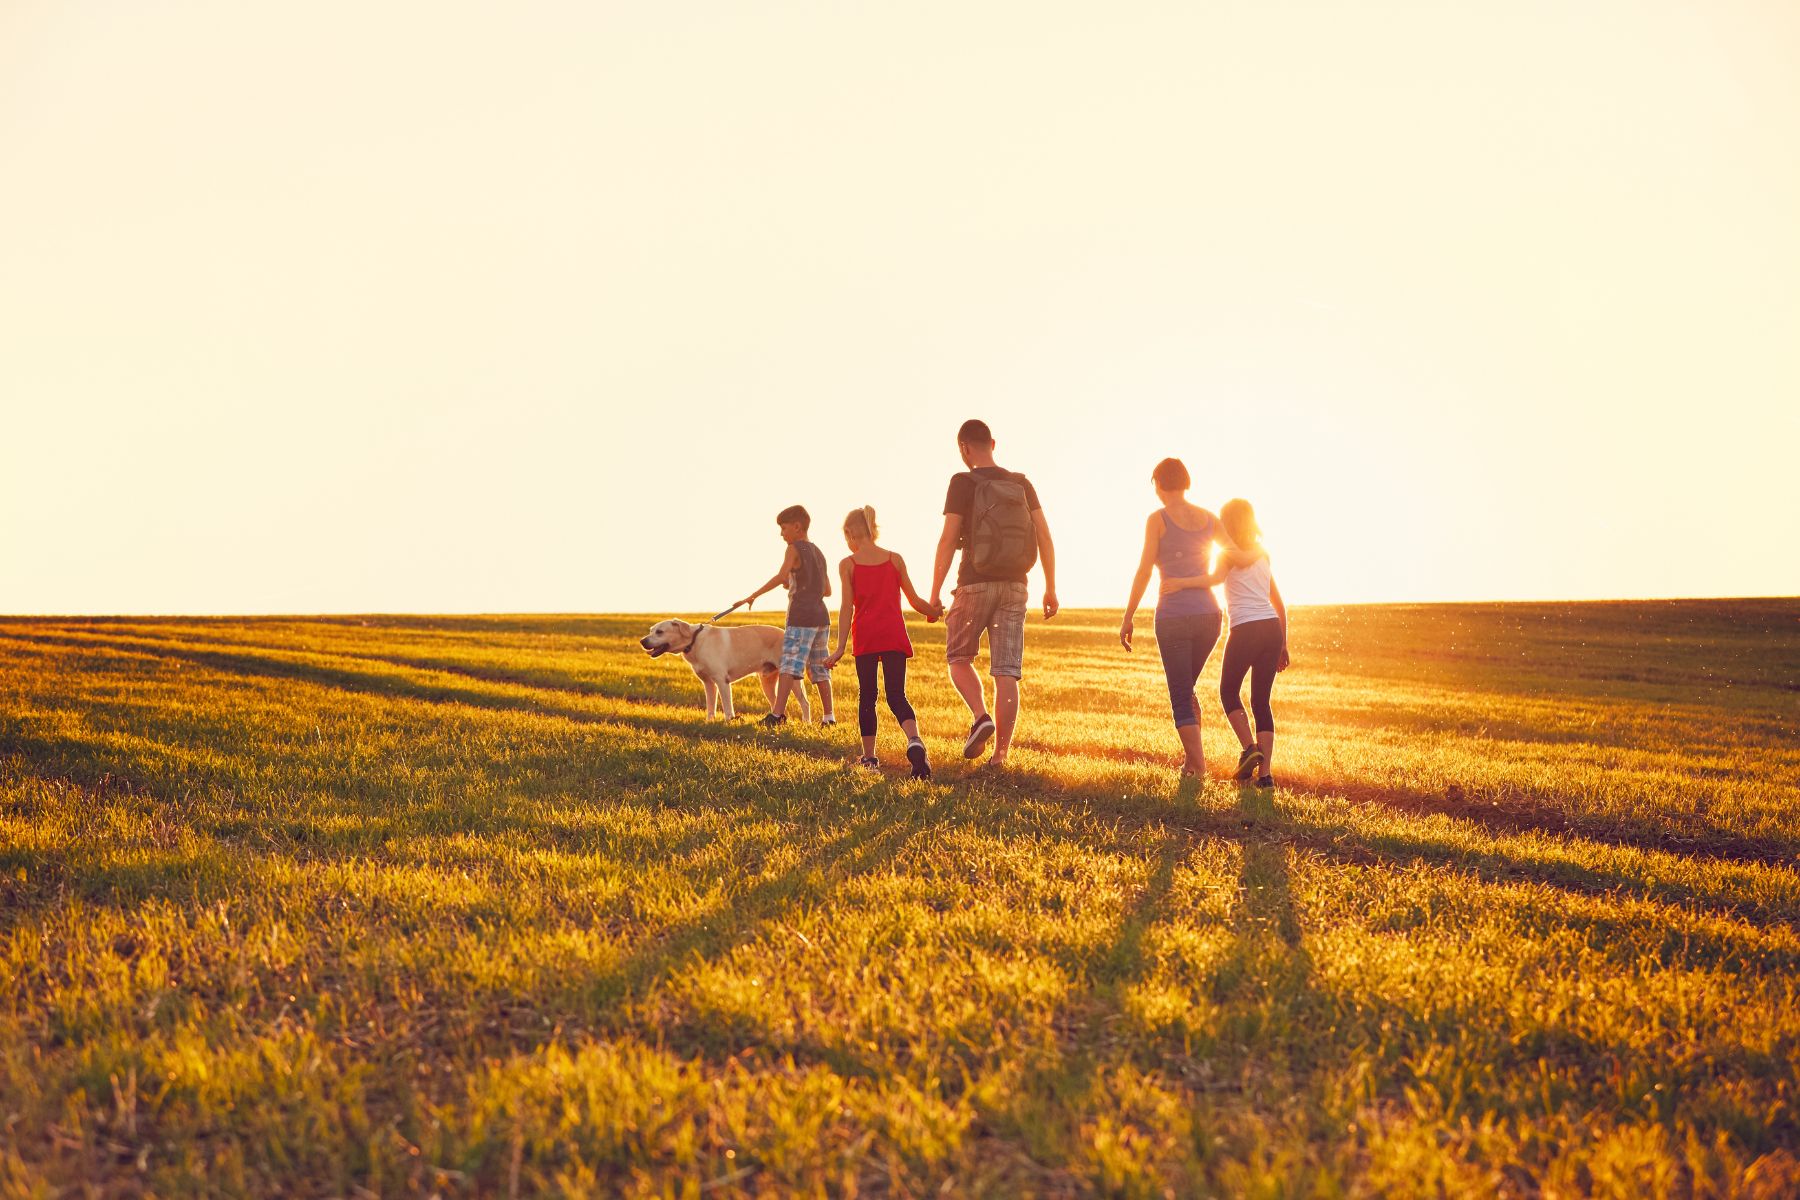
483	906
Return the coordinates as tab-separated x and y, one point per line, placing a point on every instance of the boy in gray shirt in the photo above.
805	641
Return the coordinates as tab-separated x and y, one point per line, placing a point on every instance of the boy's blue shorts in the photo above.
803	651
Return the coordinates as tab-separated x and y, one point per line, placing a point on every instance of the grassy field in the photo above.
482	906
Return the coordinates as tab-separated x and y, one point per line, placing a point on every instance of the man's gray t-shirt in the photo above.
960	499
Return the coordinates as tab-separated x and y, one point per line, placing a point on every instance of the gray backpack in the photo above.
1001	539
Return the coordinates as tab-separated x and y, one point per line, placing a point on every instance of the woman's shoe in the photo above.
869	764
1248	761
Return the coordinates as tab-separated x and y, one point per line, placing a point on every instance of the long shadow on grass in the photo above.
1107	804
1100	801
1687	837
404	687
1269	1008
1294	1040
1262	991
160	644
622	998
32	882
1290	1043
1048	1107
1265	987
1673	834
864	848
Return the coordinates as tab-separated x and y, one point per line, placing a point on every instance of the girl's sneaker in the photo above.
915	754
869	764
1248	761
826	720
1267	781
774	719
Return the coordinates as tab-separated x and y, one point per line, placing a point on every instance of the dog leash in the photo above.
718	616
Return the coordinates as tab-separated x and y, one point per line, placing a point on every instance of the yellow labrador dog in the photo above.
721	655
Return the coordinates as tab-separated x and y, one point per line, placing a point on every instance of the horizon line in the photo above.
1065	609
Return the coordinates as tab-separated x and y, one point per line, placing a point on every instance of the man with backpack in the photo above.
993	516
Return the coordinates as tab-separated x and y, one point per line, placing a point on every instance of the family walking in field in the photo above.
995	523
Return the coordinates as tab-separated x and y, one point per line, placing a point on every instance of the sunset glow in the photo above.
446	307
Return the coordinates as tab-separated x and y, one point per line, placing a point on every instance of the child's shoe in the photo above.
1267	782
773	720
1248	761
826	720
869	764
921	766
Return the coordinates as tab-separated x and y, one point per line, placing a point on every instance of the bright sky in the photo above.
437	306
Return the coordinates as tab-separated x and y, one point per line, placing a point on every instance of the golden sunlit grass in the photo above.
483	906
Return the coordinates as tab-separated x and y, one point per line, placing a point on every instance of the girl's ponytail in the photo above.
861	522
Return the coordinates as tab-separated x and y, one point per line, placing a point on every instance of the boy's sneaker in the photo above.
1267	781
915	754
1248	761
979	733
774	719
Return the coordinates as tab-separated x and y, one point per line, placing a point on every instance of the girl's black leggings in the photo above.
893	677
1253	648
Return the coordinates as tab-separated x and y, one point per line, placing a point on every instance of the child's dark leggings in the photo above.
1254	647
893	676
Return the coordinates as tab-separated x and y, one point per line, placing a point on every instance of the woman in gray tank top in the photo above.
1178	541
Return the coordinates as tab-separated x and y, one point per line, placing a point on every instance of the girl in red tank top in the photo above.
869	616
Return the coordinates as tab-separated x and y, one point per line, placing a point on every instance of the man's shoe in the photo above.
1248	761
979	733
915	754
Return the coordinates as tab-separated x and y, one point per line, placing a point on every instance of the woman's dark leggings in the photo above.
1185	643
1255	648
893	677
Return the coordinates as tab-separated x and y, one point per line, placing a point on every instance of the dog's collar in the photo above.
693	641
